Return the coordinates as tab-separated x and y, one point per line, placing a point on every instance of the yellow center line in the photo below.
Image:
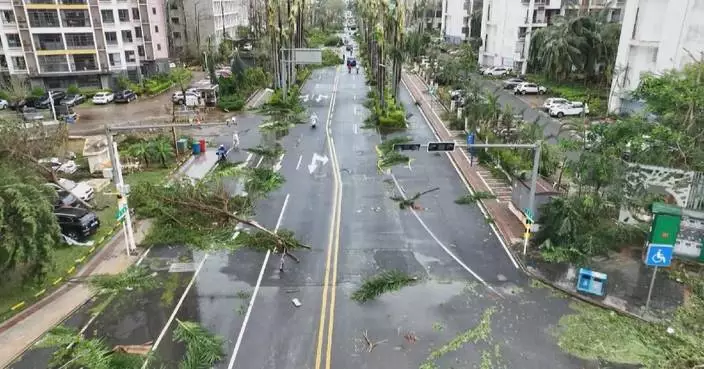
333	238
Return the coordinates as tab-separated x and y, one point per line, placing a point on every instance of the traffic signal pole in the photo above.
450	146
117	178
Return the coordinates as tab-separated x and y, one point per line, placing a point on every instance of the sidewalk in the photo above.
628	278
22	330
18	333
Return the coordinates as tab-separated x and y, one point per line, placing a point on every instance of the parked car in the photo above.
511	83
65	199
125	96
73	100
65	113
77	223
103	98
82	190
32	114
69	167
46	100
497	71
529	88
571	108
3	104
554	102
179	98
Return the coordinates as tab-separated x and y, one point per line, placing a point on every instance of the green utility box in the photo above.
666	224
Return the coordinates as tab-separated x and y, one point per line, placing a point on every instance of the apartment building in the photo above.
56	43
657	35
455	20
505	25
195	22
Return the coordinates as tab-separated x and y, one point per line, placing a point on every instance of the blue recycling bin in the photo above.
196	148
591	282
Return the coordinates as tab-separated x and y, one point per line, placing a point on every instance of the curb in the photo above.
520	261
24	308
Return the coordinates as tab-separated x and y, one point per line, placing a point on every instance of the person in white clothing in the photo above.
236	141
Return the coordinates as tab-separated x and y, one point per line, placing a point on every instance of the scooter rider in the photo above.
222	152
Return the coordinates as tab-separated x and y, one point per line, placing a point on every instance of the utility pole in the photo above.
222	15
529	31
122	190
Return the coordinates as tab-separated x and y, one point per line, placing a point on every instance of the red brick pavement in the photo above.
508	225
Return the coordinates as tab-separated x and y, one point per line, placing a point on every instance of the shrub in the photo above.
37	92
333	41
89	92
73	89
231	103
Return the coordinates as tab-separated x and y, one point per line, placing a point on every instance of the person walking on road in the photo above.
236	141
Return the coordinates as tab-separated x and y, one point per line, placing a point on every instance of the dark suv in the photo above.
45	102
77	223
125	96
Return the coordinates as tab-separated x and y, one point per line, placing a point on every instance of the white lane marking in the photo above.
277	166
259	162
466	184
176	309
256	290
355	111
299	162
437	240
355	128
354	97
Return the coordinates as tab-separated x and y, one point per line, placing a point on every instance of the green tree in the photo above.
15	88
161	150
181	77
28	227
140	150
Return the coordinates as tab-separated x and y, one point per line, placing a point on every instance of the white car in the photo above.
69	167
3	104
82	190
103	98
571	108
529	88
497	71
554	102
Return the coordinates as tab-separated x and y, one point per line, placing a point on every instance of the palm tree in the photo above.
140	150
161	151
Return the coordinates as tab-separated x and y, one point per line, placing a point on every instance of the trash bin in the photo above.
202	145
591	282
196	148
181	145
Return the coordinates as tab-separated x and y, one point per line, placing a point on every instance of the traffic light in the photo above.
441	146
406	147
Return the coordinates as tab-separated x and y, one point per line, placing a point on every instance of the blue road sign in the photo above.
470	141
659	255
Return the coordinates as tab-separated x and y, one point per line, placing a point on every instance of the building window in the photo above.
8	17
126	36
138	32
174	20
156	29
19	63
13	40
135	13
111	38
158	47
3	62
114	59
174	6
48	41
140	50
75	18
177	35
108	16
154	11
43	18
129	56
124	15
79	40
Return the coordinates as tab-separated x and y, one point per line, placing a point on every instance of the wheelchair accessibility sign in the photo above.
659	255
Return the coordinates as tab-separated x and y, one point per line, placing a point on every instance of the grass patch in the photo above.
386	281
471	199
155	175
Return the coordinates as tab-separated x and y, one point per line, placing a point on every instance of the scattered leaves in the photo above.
203	349
477	196
135	278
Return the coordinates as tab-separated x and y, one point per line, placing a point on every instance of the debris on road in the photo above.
369	343
386	281
134	349
296	302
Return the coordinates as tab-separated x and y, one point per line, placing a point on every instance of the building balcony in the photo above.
537	2
74	2
84	67
40	1
54	68
43	46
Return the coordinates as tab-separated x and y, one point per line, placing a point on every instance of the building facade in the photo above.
505	25
194	23
657	35
57	43
455	23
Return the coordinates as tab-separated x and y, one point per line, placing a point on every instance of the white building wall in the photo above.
501	20
657	35
453	20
